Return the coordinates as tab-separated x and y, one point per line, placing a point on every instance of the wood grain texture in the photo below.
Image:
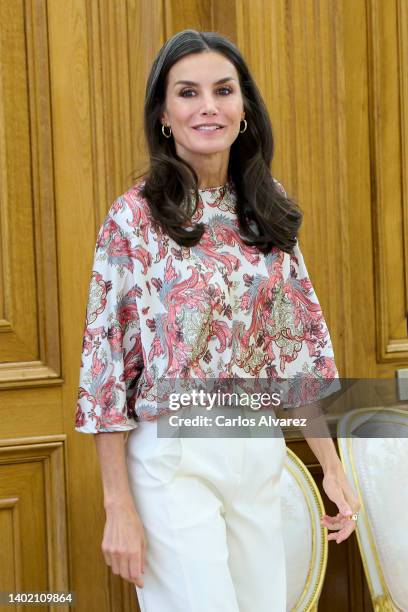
75	194
388	131
402	24
334	78
11	562
29	326
362	351
297	61
183	14
33	507
100	54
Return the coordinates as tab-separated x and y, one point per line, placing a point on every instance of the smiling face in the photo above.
203	88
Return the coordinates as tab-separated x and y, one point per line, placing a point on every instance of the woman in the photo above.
196	269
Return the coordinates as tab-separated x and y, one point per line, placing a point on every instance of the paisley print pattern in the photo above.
219	309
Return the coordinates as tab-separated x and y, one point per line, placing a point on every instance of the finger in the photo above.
334	524
331	519
106	554
344	537
115	564
335	493
107	558
143	562
341	538
135	570
333	527
337	517
124	567
342	534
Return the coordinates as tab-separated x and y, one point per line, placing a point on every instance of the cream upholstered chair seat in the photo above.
373	446
305	538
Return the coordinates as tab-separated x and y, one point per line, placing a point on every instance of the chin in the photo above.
211	147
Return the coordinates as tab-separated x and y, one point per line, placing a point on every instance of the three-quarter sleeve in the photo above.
312	369
309	315
112	356
306	356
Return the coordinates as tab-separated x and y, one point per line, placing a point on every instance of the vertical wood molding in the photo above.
147	17
32	483
388	131
43	181
297	60
30	329
100	54
11	554
75	195
119	62
183	14
403	62
109	97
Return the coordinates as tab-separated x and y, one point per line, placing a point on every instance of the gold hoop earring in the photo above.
164	133
242	131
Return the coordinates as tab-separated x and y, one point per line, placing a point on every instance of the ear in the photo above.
164	119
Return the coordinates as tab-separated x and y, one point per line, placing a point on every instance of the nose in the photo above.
209	106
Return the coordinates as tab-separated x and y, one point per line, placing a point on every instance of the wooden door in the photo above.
72	80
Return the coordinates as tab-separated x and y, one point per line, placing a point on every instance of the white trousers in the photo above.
211	512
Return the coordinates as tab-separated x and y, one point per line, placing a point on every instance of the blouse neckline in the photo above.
219	188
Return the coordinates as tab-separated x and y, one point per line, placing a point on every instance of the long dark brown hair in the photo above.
170	180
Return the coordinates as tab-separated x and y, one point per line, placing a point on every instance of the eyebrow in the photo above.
224	80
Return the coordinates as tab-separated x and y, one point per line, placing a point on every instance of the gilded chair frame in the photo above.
308	600
349	423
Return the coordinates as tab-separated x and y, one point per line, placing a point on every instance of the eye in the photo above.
186	91
228	89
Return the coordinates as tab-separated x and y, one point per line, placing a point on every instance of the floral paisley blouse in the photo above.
218	309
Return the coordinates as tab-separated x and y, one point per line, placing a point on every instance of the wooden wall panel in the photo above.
297	61
147	17
185	14
71	140
34	553
388	65
119	59
75	191
19	330
100	53
361	319
29	326
10	551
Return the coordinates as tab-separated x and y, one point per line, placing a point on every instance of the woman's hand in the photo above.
124	542
339	490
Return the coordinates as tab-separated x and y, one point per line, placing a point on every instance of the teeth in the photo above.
213	127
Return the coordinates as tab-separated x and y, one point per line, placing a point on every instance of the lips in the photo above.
208	127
